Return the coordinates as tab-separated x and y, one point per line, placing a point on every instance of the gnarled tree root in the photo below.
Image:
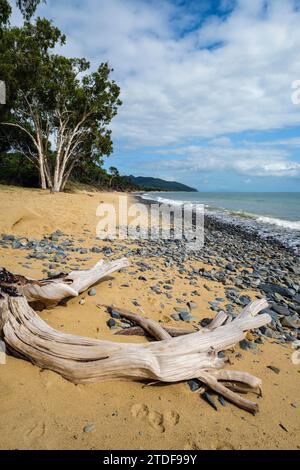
83	360
234	381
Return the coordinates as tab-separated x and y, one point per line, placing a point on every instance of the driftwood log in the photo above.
84	360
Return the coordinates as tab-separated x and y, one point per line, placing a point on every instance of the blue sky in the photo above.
206	86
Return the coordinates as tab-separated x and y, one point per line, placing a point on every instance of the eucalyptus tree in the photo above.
59	108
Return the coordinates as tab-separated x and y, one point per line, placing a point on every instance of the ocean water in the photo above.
275	215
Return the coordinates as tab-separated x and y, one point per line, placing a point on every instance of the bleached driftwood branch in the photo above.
83	360
52	291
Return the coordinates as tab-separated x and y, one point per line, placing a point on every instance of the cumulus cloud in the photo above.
256	160
188	74
177	86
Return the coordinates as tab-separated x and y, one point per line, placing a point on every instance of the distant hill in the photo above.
157	184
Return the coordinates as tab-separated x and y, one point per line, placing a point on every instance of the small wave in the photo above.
162	200
280	222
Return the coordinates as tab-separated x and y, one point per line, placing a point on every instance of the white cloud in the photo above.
174	87
229	75
255	160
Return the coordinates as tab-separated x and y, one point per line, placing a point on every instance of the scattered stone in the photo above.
289	323
281	309
81	301
221	400
191	305
111	323
175	316
207	397
184	316
92	292
194	385
245	344
88	428
114	314
205	322
283	427
276	370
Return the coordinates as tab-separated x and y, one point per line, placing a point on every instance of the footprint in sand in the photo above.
158	421
140	411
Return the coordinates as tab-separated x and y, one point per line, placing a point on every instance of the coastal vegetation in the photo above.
57	113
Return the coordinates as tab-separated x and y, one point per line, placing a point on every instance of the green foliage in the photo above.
16	169
57	112
54	98
28	7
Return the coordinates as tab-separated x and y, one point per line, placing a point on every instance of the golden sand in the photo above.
41	410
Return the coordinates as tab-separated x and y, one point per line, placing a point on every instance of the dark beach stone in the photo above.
136	303
114	314
296	298
194	385
9	238
16	245
245	344
266	331
274	288
205	322
96	249
111	323
273	315
230	267
207	397
168	287
39	256
259	340
244	300
184	316
276	370
221	400
281	309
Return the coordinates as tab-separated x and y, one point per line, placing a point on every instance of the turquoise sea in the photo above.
271	214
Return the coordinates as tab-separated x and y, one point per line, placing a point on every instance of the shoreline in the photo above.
247	226
42	410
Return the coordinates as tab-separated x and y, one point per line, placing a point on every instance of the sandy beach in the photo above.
41	410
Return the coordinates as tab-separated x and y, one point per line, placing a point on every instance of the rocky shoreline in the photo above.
238	260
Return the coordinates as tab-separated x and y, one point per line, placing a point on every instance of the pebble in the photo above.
92	292
192	305
89	427
81	301
111	323
289	323
205	322
194	385
207	397
184	316
245	344
276	370
221	400
175	316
